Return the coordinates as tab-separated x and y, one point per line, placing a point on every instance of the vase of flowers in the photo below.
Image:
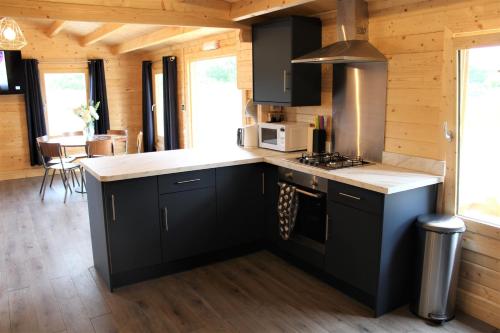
88	114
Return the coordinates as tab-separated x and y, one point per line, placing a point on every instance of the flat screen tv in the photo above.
11	73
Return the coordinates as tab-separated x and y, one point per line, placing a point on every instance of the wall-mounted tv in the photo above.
11	73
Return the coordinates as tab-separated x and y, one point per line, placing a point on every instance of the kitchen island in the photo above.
156	213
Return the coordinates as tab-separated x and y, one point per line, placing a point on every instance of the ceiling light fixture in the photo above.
11	36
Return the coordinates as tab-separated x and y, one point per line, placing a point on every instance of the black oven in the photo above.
311	227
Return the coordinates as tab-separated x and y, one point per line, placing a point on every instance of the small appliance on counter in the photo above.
248	136
284	136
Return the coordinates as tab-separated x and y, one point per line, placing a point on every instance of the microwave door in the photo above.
269	136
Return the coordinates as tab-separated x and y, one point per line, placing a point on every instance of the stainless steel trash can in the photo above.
438	259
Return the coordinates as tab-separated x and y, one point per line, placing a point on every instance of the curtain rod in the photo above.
66	61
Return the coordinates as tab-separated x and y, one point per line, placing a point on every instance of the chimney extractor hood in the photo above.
352	36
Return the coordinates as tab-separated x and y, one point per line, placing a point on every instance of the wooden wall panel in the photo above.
123	74
412	34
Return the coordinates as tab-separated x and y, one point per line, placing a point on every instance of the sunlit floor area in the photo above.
48	284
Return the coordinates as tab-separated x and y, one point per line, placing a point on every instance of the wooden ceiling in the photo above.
128	26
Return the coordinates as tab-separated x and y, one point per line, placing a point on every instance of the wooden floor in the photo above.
48	284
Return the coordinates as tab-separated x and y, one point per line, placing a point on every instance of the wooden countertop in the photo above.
377	177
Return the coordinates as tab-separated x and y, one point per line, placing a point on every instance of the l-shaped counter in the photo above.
157	213
380	178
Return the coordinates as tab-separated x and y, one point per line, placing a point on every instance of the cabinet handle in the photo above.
327	227
349	196
113	211
165	218
263	184
284	81
188	181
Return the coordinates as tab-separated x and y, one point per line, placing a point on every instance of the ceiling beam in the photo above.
100	33
115	14
245	9
152	39
55	28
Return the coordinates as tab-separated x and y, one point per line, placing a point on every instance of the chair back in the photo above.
118	132
74	133
139	142
99	148
50	150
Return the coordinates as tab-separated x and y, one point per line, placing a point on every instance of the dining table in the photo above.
79	141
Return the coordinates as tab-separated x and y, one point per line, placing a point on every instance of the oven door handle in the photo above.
309	194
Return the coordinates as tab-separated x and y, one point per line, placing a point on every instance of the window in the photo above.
479	136
63	93
158	101
216	102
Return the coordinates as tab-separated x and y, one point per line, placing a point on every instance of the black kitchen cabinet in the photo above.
240	200
276	80
188	221
353	246
370	251
132	223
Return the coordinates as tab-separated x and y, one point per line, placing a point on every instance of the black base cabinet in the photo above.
370	252
240	199
148	227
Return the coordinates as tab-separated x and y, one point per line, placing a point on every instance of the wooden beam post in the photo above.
113	14
151	39
100	33
244	9
55	28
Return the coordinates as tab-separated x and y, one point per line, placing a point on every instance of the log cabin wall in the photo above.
411	33
63	51
413	36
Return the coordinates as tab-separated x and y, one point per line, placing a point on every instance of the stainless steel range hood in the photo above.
352	36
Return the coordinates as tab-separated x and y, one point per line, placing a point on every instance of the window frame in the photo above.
453	43
159	139
60	70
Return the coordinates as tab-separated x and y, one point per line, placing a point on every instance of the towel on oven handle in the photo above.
288	204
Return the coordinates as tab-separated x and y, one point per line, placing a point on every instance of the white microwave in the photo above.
285	136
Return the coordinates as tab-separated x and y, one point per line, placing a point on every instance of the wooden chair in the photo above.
52	161
124	139
53	151
74	156
139	142
99	148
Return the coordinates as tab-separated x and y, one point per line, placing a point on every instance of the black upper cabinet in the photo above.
133	224
276	80
240	199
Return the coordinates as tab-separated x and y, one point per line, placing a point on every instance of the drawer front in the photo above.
186	181
356	197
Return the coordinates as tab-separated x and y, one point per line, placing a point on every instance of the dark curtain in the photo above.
170	103
147	107
35	114
97	81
